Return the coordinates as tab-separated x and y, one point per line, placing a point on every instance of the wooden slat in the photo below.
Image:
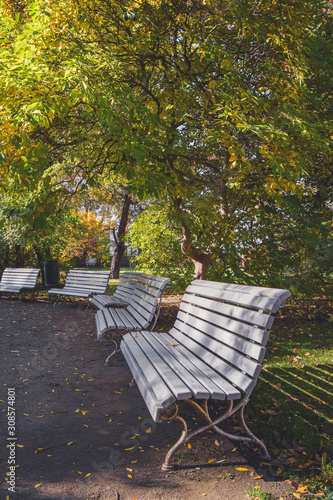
148	358
241	380
222	350
15	279
264	301
141	307
228	310
180	368
207	377
151	399
255	350
214	350
143	322
83	283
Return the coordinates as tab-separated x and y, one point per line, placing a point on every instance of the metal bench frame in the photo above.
213	352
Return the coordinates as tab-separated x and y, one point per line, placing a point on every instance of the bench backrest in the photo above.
20	277
227	327
95	281
143	291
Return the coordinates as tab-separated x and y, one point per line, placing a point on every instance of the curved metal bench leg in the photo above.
203	410
213	424
117	349
181	441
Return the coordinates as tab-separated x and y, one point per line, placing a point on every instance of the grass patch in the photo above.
256	494
291	408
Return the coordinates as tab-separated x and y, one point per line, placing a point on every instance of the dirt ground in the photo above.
78	430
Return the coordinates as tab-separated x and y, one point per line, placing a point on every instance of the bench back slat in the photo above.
267	299
226	312
93	281
227	328
19	277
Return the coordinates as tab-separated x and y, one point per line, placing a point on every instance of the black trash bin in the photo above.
51	273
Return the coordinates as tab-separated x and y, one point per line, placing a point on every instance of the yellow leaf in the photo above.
128	449
127	468
39	449
258	477
279	471
129	476
84	412
89	474
37	485
79	472
211	460
148	430
217	443
117	392
20	445
233	450
77	411
301	489
257	487
70	443
189	446
241	468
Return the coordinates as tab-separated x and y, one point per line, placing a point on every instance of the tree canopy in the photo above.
221	108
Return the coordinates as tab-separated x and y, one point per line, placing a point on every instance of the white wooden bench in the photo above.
16	279
143	295
213	352
82	283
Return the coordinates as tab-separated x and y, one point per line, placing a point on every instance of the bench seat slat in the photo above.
226	389
161	389
169	355
102	301
152	402
218	387
76	293
131	322
148	358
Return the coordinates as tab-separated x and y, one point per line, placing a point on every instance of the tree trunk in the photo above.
119	238
201	260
